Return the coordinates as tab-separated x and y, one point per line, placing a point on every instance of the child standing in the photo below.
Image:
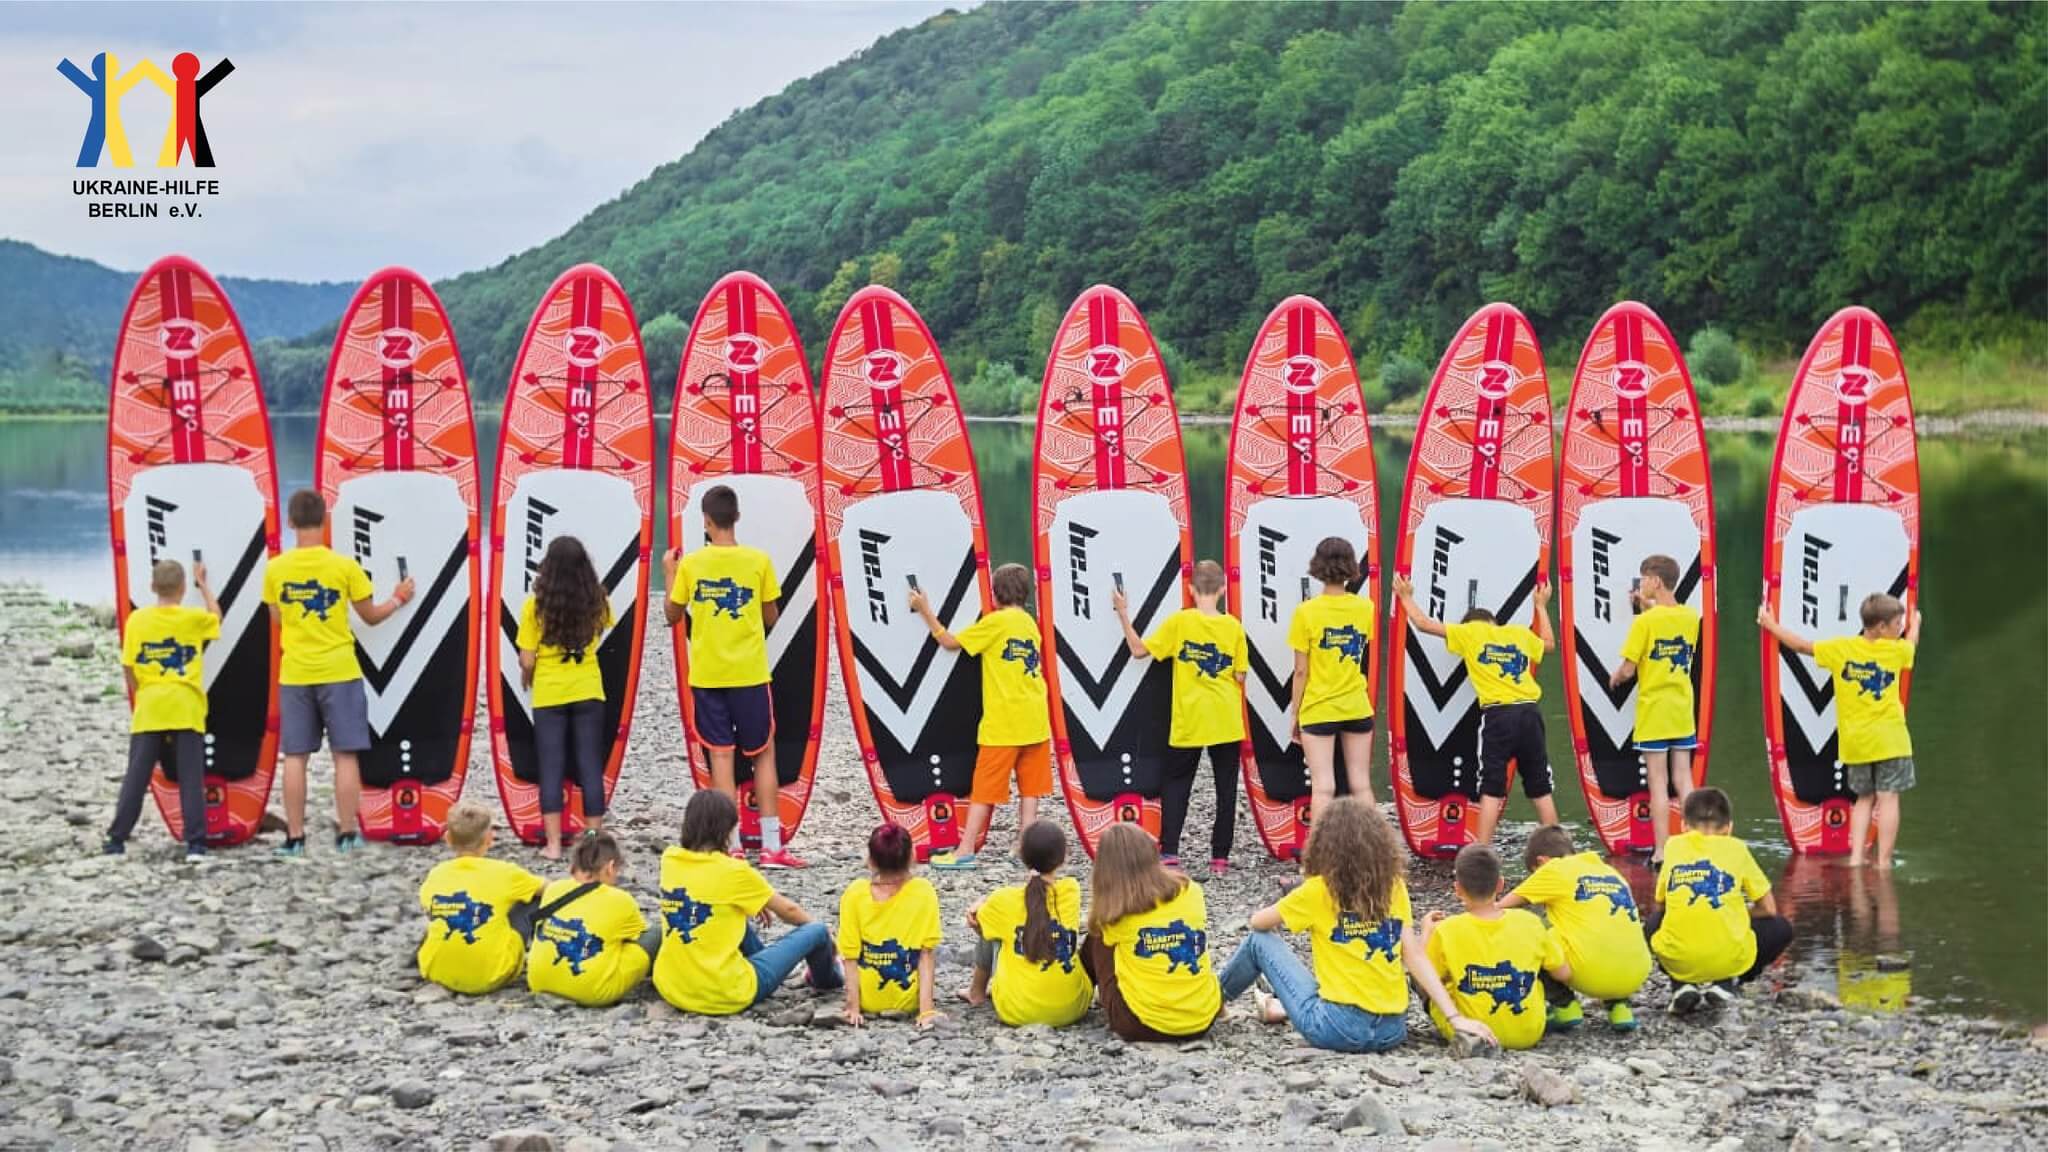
1501	661
1353	904
712	960
1332	635
1490	957
1662	646
888	935
1016	725
1207	647
310	590
1875	748
1034	929
1147	947
479	910
1718	922
560	626
1593	917
163	646
731	596
590	945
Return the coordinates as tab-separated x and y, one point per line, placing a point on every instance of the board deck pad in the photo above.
191	473
1110	487
1635	482
575	457
1475	532
902	504
1301	470
1842	520
745	417
396	461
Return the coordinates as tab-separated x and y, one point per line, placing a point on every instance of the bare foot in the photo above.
1270	1009
1854	862
972	997
1883	865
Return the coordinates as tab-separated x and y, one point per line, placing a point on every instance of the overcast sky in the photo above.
441	136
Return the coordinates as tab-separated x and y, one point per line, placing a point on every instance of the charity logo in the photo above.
105	84
890	961
682	914
1675	651
1383	938
1702	881
1180	944
724	594
1066	947
1871	679
1511	661
1207	658
312	597
1503	983
1348	642
168	655
1609	888
574	944
458	912
1022	652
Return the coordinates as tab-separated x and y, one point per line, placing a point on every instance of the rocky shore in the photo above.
259	1004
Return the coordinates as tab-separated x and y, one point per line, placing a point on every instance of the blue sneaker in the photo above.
345	844
955	862
293	848
114	847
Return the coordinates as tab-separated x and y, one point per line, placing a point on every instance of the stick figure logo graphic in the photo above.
105	84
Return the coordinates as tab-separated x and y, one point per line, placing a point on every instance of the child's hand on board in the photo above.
1764	619
1542	593
1117	601
918	603
1403	587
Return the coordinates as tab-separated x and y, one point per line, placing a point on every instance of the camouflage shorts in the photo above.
1880	776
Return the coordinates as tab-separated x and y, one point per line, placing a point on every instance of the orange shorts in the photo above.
992	767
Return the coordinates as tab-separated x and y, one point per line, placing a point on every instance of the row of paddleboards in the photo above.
865	486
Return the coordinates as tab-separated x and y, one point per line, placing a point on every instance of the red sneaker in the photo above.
782	860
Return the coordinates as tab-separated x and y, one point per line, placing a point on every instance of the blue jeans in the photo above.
805	944
1335	1027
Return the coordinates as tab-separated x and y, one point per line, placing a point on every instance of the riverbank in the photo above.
253	1003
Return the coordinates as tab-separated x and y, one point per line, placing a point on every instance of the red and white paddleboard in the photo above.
1110	488
1301	470
903	509
397	464
1635	483
745	418
1475	532
191	475
1842	521
575	458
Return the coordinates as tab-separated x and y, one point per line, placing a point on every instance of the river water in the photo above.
1962	926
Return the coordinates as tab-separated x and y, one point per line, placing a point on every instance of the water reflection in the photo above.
1849	942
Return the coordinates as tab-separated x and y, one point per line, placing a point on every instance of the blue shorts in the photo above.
1675	744
340	709
742	718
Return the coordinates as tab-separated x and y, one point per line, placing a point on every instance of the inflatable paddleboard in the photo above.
745	417
903	509
397	464
191	475
1634	483
1301	470
1475	532
575	458
1111	491
1842	520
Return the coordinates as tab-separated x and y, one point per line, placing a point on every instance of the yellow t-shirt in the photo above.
1593	915
561	675
1013	701
1664	643
887	938
706	900
1355	963
1162	964
1054	994
470	944
722	588
1706	887
164	645
1490	968
588	952
1868	710
1336	632
1501	660
1209	657
312	589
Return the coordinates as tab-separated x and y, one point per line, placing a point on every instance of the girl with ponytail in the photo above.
1035	929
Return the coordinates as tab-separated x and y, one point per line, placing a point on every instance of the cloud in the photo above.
442	136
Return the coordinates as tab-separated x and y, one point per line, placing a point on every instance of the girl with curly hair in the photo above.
560	627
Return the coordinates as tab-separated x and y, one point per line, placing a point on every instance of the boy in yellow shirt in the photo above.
1501	661
1870	714
1593	917
1718	923
162	649
1662	648
731	596
1016	721
590	944
889	935
310	590
1207	647
479	910
1492	958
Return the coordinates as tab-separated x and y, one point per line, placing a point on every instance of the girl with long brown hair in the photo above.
1148	943
1332	635
1034	929
560	627
1353	904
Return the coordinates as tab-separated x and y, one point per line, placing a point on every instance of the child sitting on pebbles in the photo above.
591	945
479	910
1028	959
888	934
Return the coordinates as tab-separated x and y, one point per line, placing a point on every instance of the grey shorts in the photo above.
1880	776
341	710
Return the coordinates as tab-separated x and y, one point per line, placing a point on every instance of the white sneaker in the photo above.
1687	999
1720	994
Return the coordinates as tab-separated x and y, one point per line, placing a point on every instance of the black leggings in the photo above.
1178	784
186	750
570	738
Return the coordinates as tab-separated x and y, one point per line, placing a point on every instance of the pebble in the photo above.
1540	1085
1645	1067
1370	1112
411	1094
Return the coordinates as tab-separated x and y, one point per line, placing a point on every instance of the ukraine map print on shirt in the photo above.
1503	983
1383	938
682	914
168	655
1347	641
1612	889
1870	678
574	944
1702	881
890	961
1024	652
1673	650
724	594
1066	946
458	912
1177	942
1511	661
1208	659
311	597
